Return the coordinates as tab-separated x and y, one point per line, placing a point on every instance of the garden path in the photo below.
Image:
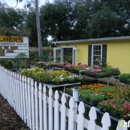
9	120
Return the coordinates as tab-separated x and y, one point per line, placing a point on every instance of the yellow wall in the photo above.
82	53
118	54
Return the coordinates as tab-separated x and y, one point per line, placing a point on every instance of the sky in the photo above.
13	3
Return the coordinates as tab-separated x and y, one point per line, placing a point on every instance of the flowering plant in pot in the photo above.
85	94
96	72
75	68
69	67
65	77
97	97
116	107
99	72
51	76
114	71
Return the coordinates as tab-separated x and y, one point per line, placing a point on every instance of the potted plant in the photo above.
125	78
118	108
51	76
97	97
85	94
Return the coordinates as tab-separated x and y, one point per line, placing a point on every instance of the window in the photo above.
96	54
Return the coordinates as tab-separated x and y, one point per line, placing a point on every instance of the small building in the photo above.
113	51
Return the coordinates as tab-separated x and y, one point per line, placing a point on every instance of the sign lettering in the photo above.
11	39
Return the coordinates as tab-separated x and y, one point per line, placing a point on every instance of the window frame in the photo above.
92	53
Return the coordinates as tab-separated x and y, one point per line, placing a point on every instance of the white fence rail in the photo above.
42	110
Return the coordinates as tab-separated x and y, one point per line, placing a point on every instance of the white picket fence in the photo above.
42	112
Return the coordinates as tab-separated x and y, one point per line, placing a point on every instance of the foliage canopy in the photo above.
81	19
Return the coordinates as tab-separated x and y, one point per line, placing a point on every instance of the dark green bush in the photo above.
7	63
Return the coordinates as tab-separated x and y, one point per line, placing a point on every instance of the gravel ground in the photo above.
9	120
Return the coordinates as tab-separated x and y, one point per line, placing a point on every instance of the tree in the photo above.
82	15
65	20
107	21
10	17
30	23
57	20
12	21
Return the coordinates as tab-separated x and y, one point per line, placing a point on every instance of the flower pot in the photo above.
93	103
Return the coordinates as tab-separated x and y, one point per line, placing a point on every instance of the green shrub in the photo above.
7	63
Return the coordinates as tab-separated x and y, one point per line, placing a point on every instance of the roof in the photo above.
93	40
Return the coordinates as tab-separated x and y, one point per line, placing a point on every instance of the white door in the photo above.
65	55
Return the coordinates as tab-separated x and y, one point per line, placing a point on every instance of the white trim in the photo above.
74	55
54	53
68	47
62	55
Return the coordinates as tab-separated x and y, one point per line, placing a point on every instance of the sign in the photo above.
123	123
11	39
11	47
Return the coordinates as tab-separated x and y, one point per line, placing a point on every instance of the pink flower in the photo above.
69	65
122	109
114	106
105	103
124	116
96	70
83	65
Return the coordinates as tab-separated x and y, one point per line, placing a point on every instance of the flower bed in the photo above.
51	76
113	99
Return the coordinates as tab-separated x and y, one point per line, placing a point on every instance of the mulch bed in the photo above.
9	120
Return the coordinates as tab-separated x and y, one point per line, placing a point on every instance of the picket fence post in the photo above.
81	110
71	114
15	90
26	99
32	104
22	96
18	94
50	109
63	113
29	103
56	111
106	122
36	106
45	107
120	127
93	117
40	108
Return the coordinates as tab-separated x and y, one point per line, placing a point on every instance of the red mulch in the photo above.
9	120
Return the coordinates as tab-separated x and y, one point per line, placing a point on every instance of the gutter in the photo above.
93	40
